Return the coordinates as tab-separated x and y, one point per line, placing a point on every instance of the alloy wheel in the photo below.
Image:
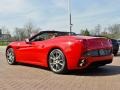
57	61
10	56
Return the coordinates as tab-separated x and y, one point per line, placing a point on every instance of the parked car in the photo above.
61	51
118	42
115	46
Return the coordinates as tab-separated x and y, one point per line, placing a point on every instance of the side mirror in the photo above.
27	41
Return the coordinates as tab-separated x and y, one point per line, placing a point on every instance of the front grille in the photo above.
100	52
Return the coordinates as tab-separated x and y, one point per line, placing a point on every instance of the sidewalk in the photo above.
3	46
2	49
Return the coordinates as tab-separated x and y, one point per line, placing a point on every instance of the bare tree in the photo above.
26	32
114	29
5	30
19	34
30	29
97	29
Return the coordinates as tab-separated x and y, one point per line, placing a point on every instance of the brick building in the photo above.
4	36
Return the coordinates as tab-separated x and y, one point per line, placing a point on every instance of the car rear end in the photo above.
97	52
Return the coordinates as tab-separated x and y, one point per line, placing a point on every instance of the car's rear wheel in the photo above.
10	56
57	61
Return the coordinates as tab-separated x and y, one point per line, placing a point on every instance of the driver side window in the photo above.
43	36
40	37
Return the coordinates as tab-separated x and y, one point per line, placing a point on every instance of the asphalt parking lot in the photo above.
26	77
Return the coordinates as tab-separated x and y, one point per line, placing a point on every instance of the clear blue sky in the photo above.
53	14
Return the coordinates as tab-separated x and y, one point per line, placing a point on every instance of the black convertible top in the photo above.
57	33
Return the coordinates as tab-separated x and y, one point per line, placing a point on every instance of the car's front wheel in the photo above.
57	61
10	56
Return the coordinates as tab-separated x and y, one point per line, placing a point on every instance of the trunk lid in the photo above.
93	43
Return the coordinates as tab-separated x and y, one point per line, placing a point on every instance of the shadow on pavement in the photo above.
33	66
118	55
102	71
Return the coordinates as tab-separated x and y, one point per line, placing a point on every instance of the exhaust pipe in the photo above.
82	63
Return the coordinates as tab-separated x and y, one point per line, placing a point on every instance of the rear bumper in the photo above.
94	61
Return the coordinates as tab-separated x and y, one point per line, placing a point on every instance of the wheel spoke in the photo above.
56	53
12	57
52	55
52	64
58	57
59	67
60	64
51	58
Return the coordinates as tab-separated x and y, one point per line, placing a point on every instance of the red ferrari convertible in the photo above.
61	51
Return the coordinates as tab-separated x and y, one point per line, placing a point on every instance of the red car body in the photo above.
75	48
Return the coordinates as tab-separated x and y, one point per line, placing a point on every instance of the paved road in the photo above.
24	77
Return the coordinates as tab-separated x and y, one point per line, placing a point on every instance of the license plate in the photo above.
102	52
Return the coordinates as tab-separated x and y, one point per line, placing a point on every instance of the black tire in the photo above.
115	53
57	61
10	56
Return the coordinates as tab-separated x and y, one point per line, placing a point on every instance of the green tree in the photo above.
85	32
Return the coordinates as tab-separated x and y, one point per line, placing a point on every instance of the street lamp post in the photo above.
70	15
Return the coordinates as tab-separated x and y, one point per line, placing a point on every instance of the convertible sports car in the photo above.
61	51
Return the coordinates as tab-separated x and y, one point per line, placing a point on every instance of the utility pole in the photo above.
70	15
